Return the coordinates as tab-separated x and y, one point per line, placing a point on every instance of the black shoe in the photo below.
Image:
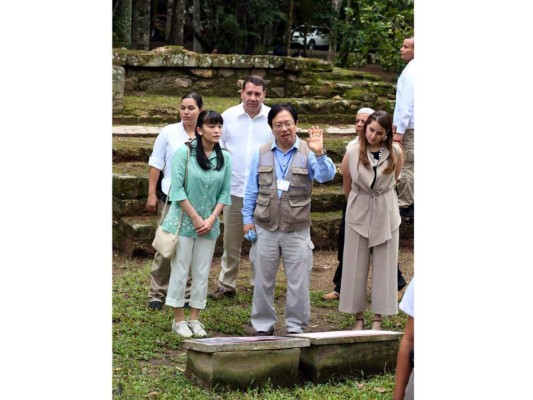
186	305
401	280
155	306
263	333
407	212
221	293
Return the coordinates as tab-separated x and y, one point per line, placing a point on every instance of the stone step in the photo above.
130	191
129	148
327	87
134	235
330	108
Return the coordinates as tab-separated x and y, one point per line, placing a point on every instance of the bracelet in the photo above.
323	153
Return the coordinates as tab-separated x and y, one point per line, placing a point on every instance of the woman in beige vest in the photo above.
370	170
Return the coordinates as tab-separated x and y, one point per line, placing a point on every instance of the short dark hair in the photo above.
256	80
277	108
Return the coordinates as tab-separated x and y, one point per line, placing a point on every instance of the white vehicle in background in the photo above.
315	37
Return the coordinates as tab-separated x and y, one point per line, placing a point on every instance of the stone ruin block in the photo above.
119	79
243	362
342	354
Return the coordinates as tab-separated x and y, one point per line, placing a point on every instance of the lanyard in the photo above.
284	167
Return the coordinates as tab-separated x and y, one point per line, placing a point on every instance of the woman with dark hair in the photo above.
370	170
200	188
167	142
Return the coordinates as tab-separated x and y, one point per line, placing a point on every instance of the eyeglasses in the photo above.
280	125
360	120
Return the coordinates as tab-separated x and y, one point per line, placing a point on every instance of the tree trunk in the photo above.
241	7
176	21
122	24
140	25
333	35
289	28
171	9
180	21
196	46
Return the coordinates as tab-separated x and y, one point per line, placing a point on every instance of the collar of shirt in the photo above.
264	111
294	146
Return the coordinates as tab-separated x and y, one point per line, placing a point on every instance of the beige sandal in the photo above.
376	324
359	322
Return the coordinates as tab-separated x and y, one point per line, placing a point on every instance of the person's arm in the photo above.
198	222
346	177
405	105
403	367
157	164
321	167
224	198
250	195
153	177
399	164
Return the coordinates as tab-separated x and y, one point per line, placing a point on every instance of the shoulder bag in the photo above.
165	242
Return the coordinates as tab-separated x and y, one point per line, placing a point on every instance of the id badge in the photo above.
283	185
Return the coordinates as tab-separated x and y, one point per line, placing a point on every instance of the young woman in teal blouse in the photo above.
197	201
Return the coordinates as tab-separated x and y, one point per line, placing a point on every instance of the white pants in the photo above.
194	256
296	249
233	237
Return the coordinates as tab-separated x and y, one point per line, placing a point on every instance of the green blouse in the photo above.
204	189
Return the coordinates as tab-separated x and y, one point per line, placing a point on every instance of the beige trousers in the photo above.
160	273
355	269
406	183
233	237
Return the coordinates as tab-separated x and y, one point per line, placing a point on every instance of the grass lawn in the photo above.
149	361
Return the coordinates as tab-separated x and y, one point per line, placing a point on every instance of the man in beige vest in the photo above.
277	205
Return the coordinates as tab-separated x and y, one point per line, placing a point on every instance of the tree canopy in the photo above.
359	30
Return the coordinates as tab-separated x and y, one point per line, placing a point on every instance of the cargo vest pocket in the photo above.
262	209
300	209
265	175
300	177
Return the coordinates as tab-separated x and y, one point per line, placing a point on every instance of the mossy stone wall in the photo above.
172	70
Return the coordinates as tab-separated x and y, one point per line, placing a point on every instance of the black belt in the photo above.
163	198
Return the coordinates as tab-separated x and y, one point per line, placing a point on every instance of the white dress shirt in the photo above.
242	136
167	142
404	111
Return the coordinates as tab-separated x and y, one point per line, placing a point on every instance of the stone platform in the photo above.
243	362
346	353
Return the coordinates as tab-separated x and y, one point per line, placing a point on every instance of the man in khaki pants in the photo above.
245	129
404	128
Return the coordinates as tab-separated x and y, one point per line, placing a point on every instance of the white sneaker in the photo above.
182	329
197	328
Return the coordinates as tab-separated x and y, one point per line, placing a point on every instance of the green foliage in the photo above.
240	27
374	27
